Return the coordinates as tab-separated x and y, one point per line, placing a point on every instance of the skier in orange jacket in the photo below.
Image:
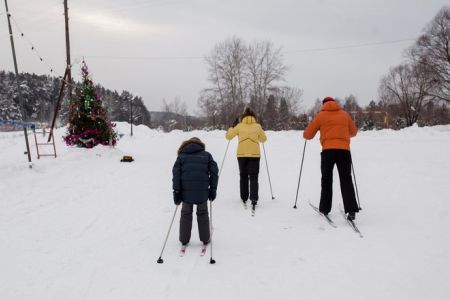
336	128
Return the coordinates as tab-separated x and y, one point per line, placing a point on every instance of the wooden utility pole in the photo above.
18	84
69	75
58	105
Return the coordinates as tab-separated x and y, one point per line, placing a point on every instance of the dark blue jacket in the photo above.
195	173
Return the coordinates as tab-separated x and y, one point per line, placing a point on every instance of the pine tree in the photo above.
89	124
283	115
270	115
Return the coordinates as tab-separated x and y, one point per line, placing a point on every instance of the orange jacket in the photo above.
335	125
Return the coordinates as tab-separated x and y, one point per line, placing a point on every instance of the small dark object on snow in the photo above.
212	261
160	260
127	158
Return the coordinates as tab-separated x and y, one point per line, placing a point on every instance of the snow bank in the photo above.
86	226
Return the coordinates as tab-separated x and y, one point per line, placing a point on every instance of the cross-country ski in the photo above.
351	223
182	251
203	250
326	217
244	204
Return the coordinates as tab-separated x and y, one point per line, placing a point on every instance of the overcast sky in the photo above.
154	49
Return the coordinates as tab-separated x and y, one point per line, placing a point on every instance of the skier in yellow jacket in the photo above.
250	134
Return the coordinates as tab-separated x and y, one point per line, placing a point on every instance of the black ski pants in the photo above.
202	222
342	159
248	172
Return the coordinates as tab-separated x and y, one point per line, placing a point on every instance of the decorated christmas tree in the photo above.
89	124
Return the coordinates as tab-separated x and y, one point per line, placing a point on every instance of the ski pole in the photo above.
223	160
160	260
300	176
211	260
267	167
356	186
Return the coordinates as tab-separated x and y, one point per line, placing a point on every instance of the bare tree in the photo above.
227	73
209	104
240	75
292	96
432	53
178	115
265	66
315	109
351	104
176	106
409	86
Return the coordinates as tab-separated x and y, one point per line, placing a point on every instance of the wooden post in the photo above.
58	104
18	83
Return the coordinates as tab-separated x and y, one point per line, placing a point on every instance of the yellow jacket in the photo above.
250	133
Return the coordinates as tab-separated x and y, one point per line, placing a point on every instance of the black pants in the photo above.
202	221
343	160
248	172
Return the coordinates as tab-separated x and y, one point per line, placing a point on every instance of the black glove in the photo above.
236	121
177	199
212	195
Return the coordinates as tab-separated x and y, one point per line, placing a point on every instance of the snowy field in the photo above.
86	226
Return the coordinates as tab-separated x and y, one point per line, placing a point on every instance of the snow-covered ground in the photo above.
86	226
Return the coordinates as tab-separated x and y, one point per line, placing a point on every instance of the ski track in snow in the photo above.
85	226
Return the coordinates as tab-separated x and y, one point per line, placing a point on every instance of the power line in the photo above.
307	50
349	46
33	48
146	57
38	55
284	52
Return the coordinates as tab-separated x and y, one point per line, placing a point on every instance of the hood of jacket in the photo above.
331	106
248	120
191	146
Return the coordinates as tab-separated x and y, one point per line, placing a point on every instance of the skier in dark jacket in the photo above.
195	177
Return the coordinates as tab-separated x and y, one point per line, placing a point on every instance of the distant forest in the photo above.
40	92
